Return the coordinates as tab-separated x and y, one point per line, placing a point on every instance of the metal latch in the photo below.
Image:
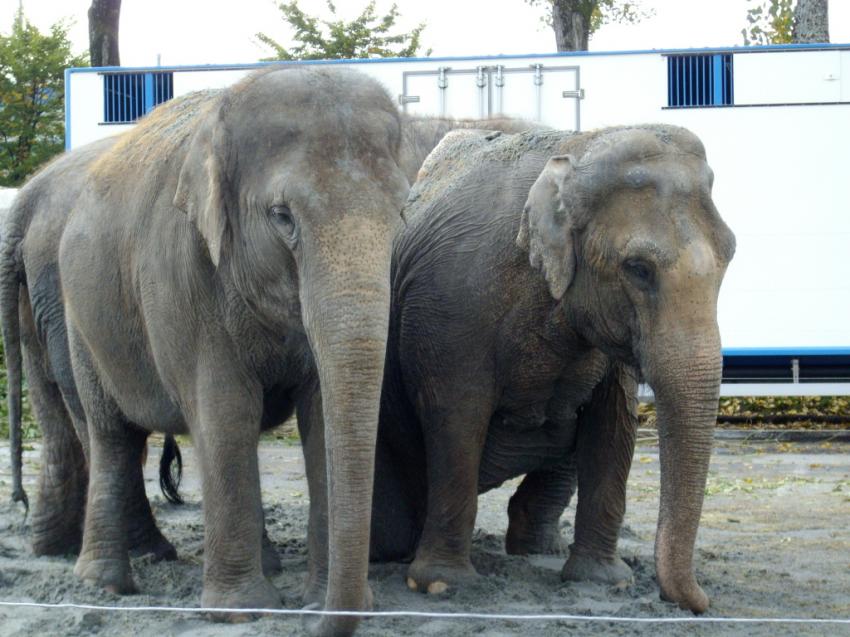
579	94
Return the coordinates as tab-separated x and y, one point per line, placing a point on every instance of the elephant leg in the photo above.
454	439
312	432
536	507
226	432
144	537
57	517
271	560
607	429
104	559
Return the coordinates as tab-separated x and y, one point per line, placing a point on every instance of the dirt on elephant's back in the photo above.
773	543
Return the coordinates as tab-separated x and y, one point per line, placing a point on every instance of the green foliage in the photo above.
32	90
368	35
29	428
769	22
598	12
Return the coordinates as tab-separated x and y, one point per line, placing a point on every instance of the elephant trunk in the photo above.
687	387
347	327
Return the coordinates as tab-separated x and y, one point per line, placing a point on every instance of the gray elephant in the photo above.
222	263
538	277
29	262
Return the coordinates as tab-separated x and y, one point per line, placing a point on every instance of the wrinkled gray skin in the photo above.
242	265
33	315
28	263
537	277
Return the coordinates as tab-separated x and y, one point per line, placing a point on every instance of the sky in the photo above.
182	32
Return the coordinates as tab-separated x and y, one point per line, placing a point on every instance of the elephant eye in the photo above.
639	271
284	221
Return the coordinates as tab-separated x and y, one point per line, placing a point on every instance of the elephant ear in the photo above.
200	186
546	225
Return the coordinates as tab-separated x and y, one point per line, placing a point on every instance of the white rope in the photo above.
434	615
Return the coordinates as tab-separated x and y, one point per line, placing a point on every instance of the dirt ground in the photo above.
774	542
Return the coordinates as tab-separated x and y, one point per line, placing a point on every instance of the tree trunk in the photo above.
811	21
571	22
103	32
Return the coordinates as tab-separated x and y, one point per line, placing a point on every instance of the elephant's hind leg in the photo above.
535	510
57	516
145	538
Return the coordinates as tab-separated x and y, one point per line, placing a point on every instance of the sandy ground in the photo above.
774	542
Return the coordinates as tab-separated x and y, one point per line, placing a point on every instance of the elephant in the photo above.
36	222
30	262
539	277
226	261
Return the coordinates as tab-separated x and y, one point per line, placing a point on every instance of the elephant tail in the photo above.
169	477
10	283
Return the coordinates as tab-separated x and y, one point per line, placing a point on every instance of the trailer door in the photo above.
547	94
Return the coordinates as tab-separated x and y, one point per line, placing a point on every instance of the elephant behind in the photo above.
538	277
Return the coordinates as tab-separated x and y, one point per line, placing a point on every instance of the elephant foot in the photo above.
582	567
271	560
156	546
257	594
56	535
57	516
528	539
109	574
435	577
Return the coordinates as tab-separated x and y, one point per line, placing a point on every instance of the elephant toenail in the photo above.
435	588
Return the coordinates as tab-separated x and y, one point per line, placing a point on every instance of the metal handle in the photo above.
579	94
408	99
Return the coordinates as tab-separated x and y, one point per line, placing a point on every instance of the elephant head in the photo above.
293	182
630	242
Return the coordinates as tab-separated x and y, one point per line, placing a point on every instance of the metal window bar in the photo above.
128	96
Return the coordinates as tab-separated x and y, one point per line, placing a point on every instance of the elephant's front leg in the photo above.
605	445
226	433
454	439
312	431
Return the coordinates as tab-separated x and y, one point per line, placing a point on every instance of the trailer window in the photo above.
699	80
128	96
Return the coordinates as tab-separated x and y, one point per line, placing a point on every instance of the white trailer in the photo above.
775	122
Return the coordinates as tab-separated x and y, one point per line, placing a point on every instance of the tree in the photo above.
786	22
811	21
32	90
103	32
365	36
574	21
770	22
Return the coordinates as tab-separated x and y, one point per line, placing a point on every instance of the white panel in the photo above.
787	77
188	81
845	76
781	185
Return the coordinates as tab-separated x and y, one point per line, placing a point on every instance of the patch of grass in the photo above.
719	485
